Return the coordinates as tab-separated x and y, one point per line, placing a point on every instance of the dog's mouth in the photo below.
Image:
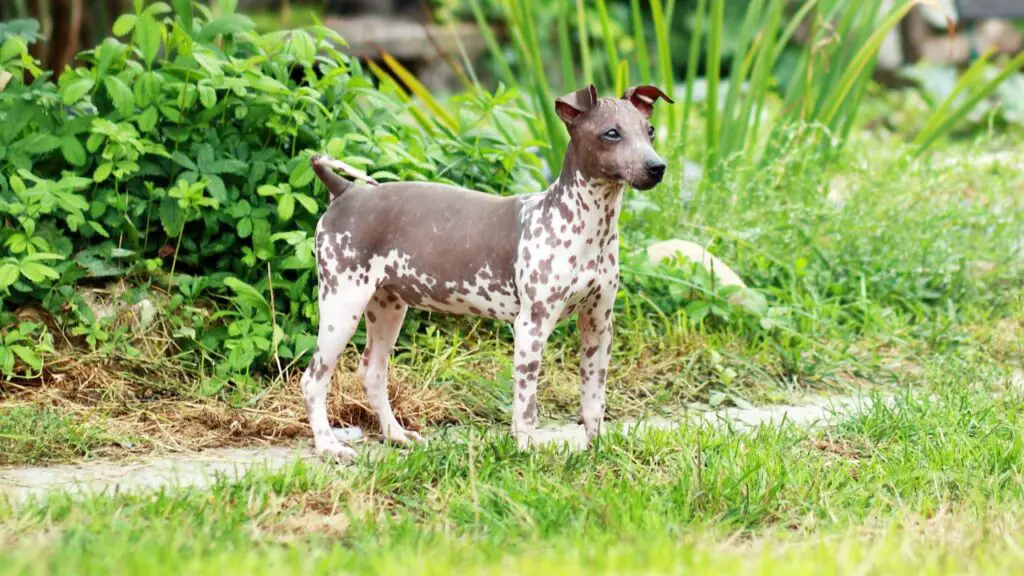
647	182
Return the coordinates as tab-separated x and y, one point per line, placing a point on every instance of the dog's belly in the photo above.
483	295
496	306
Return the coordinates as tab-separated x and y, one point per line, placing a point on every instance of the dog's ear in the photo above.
573	105
643	97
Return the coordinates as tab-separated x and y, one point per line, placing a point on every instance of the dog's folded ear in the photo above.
643	97
572	105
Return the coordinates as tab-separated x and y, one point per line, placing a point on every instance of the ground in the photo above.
891	279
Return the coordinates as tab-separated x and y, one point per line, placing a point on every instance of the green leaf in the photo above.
302	46
156	9
172	217
120	95
244	227
99	229
184	161
207	96
124	24
226	25
268	190
102	172
72	150
247	294
76	89
698	310
147	37
8	274
38	273
308	203
12	47
147	88
40	256
301	175
286	207
28	356
40	143
184	10
147	120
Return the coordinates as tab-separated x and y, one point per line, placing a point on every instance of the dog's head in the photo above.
612	139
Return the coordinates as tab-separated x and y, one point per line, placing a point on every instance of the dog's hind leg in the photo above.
339	318
384	316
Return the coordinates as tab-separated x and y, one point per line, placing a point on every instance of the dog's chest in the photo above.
569	247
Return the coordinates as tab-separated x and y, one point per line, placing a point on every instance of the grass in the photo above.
32	433
933	479
865	285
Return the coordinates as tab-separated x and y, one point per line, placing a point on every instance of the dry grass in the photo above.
149	403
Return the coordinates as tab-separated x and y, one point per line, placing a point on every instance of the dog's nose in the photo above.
656	168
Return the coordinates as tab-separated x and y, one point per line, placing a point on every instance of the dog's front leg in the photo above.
595	323
533	326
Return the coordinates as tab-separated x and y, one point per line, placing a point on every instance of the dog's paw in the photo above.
525	440
336	452
403	437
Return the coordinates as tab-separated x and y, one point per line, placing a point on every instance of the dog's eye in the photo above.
612	134
650	131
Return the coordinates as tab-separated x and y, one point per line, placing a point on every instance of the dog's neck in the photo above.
600	192
589	207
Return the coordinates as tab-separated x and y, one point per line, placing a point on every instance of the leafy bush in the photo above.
179	156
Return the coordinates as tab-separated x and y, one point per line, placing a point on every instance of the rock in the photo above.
350	434
661	251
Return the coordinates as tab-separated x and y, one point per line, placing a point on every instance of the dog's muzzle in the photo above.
654	171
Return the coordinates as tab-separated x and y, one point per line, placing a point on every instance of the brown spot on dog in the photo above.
370	316
530	414
529	368
538	313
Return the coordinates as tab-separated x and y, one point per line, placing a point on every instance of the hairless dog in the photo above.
532	260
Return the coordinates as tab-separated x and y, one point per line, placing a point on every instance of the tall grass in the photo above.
834	67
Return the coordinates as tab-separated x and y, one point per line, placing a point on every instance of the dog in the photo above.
531	260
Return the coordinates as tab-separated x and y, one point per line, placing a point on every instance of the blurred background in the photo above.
177	133
427	33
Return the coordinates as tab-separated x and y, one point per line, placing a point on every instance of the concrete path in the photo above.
204	468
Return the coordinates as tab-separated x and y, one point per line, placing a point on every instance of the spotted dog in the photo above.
531	260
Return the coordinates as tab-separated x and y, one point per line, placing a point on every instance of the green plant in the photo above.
21	344
178	154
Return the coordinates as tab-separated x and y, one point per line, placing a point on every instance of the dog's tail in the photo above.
324	167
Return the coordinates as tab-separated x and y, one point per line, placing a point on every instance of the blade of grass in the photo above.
524	34
492	43
565	46
622	78
970	77
384	78
713	71
609	42
420	91
664	61
865	55
730	120
922	143
836	55
643	61
693	61
581	25
760	78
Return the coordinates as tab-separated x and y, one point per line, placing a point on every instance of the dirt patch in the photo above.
149	406
202	469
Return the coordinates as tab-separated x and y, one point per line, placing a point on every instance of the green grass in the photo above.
935	477
33	434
